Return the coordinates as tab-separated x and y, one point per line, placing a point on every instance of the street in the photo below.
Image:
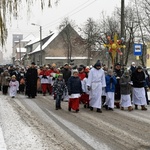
34	124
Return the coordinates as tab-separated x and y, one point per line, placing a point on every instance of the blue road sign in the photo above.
138	49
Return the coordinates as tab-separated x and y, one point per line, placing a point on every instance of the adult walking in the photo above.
66	72
138	93
31	81
96	81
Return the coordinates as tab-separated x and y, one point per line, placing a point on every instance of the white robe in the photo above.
13	87
96	80
138	96
84	86
110	99
125	100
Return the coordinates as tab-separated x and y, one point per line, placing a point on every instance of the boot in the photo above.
143	107
99	110
69	108
122	108
130	108
106	107
77	110
136	106
91	108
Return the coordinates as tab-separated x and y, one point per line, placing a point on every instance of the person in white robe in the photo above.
13	86
95	83
125	90
110	90
138	93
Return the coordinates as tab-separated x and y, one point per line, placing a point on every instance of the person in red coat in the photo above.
44	76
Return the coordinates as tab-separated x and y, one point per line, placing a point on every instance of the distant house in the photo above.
59	47
19	49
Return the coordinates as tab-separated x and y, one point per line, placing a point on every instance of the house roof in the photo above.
51	38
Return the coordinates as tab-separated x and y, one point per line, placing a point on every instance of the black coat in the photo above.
74	85
31	82
138	79
66	74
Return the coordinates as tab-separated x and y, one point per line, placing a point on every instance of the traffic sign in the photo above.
138	49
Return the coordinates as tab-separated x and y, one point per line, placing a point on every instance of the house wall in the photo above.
58	48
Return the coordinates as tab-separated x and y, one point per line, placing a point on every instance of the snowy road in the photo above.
34	124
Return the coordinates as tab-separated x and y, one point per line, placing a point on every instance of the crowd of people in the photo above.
95	87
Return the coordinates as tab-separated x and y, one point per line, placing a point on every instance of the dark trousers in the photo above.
21	87
146	96
58	101
5	89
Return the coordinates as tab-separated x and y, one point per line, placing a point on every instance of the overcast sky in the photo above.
50	18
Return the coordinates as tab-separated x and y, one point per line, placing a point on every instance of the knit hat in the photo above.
139	67
74	71
80	69
33	63
60	76
97	64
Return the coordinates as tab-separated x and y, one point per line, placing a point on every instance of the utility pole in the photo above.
40	41
41	44
20	51
122	30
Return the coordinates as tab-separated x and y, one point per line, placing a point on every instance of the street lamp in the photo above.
40	41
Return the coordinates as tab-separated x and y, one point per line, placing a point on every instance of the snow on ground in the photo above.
18	135
2	142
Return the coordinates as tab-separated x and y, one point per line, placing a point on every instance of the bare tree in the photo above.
11	8
67	36
91	33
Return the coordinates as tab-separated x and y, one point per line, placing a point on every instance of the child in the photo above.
59	87
125	90
13	86
74	90
110	90
85	96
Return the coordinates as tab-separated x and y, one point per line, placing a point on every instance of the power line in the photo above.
71	13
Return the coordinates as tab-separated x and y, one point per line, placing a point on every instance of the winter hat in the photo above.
80	69
126	73
60	76
117	64
33	63
66	64
97	64
74	71
139	67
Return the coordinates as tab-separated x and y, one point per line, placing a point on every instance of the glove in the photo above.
44	76
89	88
53	78
69	93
